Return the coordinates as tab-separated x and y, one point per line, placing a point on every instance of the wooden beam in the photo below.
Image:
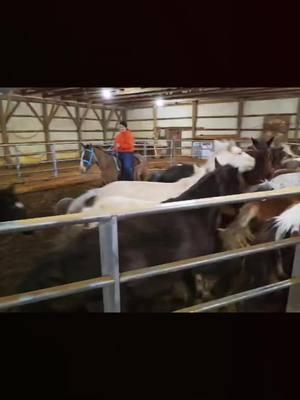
35	113
77	118
52	113
84	114
46	130
5	139
123	115
104	124
194	117
72	117
10	113
7	107
101	121
297	119
240	117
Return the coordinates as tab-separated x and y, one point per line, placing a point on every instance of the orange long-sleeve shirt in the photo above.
125	140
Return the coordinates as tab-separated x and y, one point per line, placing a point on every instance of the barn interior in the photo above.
42	131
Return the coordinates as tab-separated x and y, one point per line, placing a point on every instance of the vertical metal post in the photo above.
293	303
54	160
109	251
18	164
297	122
171	151
145	149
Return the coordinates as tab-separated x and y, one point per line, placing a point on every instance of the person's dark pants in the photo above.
127	161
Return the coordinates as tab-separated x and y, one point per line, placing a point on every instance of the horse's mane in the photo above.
204	183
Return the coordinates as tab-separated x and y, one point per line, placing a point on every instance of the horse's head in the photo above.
88	157
228	179
230	153
10	207
262	152
278	155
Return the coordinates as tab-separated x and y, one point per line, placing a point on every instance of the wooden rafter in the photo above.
10	112
35	113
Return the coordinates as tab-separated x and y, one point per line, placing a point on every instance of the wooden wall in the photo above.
31	126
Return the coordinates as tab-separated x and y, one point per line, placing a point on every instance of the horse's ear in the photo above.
270	141
255	142
217	164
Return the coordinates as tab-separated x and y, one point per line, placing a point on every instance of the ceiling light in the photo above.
106	93
159	102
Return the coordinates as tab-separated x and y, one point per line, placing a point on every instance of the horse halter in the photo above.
89	163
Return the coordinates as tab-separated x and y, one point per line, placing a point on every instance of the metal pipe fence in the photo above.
111	278
168	149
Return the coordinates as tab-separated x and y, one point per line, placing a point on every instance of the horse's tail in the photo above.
62	206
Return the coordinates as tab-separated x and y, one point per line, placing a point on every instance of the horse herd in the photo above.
167	237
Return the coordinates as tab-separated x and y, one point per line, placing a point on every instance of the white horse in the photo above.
133	195
288	221
281	181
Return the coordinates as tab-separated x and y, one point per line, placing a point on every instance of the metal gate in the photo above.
111	278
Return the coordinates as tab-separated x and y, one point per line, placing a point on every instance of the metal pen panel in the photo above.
248	294
293	304
109	252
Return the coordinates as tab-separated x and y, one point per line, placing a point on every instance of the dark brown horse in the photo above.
262	152
143	241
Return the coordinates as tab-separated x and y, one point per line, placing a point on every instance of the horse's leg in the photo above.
279	266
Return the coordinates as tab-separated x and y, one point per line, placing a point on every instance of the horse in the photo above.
280	181
10	207
260	150
157	192
284	157
269	222
143	241
174	173
110	165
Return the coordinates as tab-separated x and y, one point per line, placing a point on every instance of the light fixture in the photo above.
159	102
106	93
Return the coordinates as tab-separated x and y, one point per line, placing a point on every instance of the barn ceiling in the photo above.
143	96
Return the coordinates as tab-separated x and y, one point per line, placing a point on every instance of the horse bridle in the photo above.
89	163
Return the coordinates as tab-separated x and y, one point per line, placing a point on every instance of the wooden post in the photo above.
155	130
104	124
77	119
47	118
194	118
82	119
5	138
240	117
297	119
123	114
46	131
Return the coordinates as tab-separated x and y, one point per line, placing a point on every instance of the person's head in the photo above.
123	126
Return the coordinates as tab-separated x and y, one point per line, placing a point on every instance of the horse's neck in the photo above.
207	188
199	172
105	160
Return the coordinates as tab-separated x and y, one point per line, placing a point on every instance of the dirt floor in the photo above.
33	176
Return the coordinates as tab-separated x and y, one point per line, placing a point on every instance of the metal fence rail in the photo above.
108	242
169	149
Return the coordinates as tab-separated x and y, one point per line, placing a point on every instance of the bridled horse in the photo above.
109	164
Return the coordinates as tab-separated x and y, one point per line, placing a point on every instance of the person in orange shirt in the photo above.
124	146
